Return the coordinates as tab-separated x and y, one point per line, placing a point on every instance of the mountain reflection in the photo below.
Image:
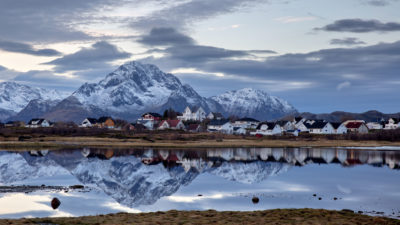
135	177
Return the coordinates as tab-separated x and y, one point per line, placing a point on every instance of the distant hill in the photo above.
339	116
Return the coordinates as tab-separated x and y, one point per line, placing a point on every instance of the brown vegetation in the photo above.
277	216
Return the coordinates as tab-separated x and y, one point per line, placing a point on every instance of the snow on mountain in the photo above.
249	102
14	97
249	173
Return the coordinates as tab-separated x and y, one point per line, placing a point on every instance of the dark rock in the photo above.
347	210
335	198
55	203
319	198
77	186
360	212
315	195
255	200
199	195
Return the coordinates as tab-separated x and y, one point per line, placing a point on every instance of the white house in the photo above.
320	128
392	124
171	124
339	128
286	125
375	126
223	126
246	123
214	116
268	129
301	126
357	127
195	114
88	122
239	130
35	123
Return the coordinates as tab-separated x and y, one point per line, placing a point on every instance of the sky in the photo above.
319	55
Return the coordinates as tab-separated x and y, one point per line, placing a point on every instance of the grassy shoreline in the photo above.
276	216
227	142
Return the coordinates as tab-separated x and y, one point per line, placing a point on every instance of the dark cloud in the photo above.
347	41
165	36
180	15
379	2
47	79
26	49
361	26
99	55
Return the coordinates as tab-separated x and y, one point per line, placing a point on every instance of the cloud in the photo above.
180	15
347	41
165	36
292	19
99	55
343	85
26	49
360	26
379	2
47	79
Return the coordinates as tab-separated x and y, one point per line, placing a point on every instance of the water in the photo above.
143	180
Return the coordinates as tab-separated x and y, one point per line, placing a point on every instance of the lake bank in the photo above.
98	142
276	216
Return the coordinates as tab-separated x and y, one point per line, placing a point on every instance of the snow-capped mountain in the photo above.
253	103
14	97
131	90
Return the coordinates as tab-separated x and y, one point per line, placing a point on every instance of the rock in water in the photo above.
255	200
55	203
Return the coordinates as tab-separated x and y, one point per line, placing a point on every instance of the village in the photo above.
197	120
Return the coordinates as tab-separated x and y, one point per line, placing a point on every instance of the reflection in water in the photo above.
136	177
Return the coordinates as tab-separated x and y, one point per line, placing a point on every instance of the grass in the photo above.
276	216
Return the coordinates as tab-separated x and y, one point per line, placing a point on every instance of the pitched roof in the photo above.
282	122
217	114
336	125
247	119
193	126
171	123
36	121
153	114
92	120
353	125
316	125
218	122
297	119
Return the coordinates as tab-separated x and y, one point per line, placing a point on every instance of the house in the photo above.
195	114
339	128
319	127
356	127
239	130
247	123
300	126
292	132
171	124
392	123
194	128
266	128
215	115
106	122
35	123
223	126
375	126
286	125
151	116
89	122
149	124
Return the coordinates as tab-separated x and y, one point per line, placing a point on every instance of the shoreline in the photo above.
95	142
275	216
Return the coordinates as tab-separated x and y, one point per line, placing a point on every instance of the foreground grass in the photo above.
225	142
277	216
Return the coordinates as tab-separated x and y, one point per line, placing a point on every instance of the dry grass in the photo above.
277	216
225	142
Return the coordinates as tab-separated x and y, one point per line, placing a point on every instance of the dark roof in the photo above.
218	122
247	119
153	114
38	120
336	125
92	120
104	119
297	119
282	122
396	120
193	126
269	124
236	128
217	114
355	125
316	125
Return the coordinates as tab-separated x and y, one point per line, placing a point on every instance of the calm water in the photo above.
142	180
